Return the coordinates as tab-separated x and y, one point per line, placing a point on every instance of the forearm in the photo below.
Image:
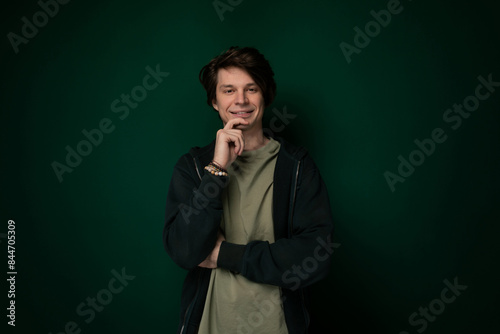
288	263
193	215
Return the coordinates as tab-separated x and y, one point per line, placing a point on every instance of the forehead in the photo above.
233	76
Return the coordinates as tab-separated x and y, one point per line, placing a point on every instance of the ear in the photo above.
214	104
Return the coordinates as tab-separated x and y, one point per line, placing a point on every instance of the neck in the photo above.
254	141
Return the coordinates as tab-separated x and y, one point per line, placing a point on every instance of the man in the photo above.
248	215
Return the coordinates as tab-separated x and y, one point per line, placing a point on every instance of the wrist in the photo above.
215	169
220	166
221	163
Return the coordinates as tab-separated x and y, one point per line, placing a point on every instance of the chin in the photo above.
242	126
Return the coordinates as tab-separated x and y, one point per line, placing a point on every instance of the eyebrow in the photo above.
231	86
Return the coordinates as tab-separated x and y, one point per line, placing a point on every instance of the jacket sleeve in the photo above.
297	261
193	213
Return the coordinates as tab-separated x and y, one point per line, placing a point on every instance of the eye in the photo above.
228	91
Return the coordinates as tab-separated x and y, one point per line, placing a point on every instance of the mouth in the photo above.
242	113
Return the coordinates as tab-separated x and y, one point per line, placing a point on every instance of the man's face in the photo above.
238	96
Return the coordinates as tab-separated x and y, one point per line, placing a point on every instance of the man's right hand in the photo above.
229	143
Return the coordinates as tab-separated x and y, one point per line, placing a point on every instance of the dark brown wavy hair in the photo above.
248	59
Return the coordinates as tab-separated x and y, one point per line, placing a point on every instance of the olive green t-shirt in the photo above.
235	304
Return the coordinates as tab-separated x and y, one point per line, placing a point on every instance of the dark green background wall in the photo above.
397	247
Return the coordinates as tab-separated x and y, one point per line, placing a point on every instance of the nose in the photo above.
241	97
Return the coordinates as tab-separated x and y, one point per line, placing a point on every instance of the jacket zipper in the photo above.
196	166
199	274
191	304
306	315
294	195
185	314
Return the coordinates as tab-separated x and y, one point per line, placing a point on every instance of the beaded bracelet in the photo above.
215	170
218	166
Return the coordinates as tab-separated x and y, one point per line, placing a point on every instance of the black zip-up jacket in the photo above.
299	257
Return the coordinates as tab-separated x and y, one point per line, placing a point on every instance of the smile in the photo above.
244	113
